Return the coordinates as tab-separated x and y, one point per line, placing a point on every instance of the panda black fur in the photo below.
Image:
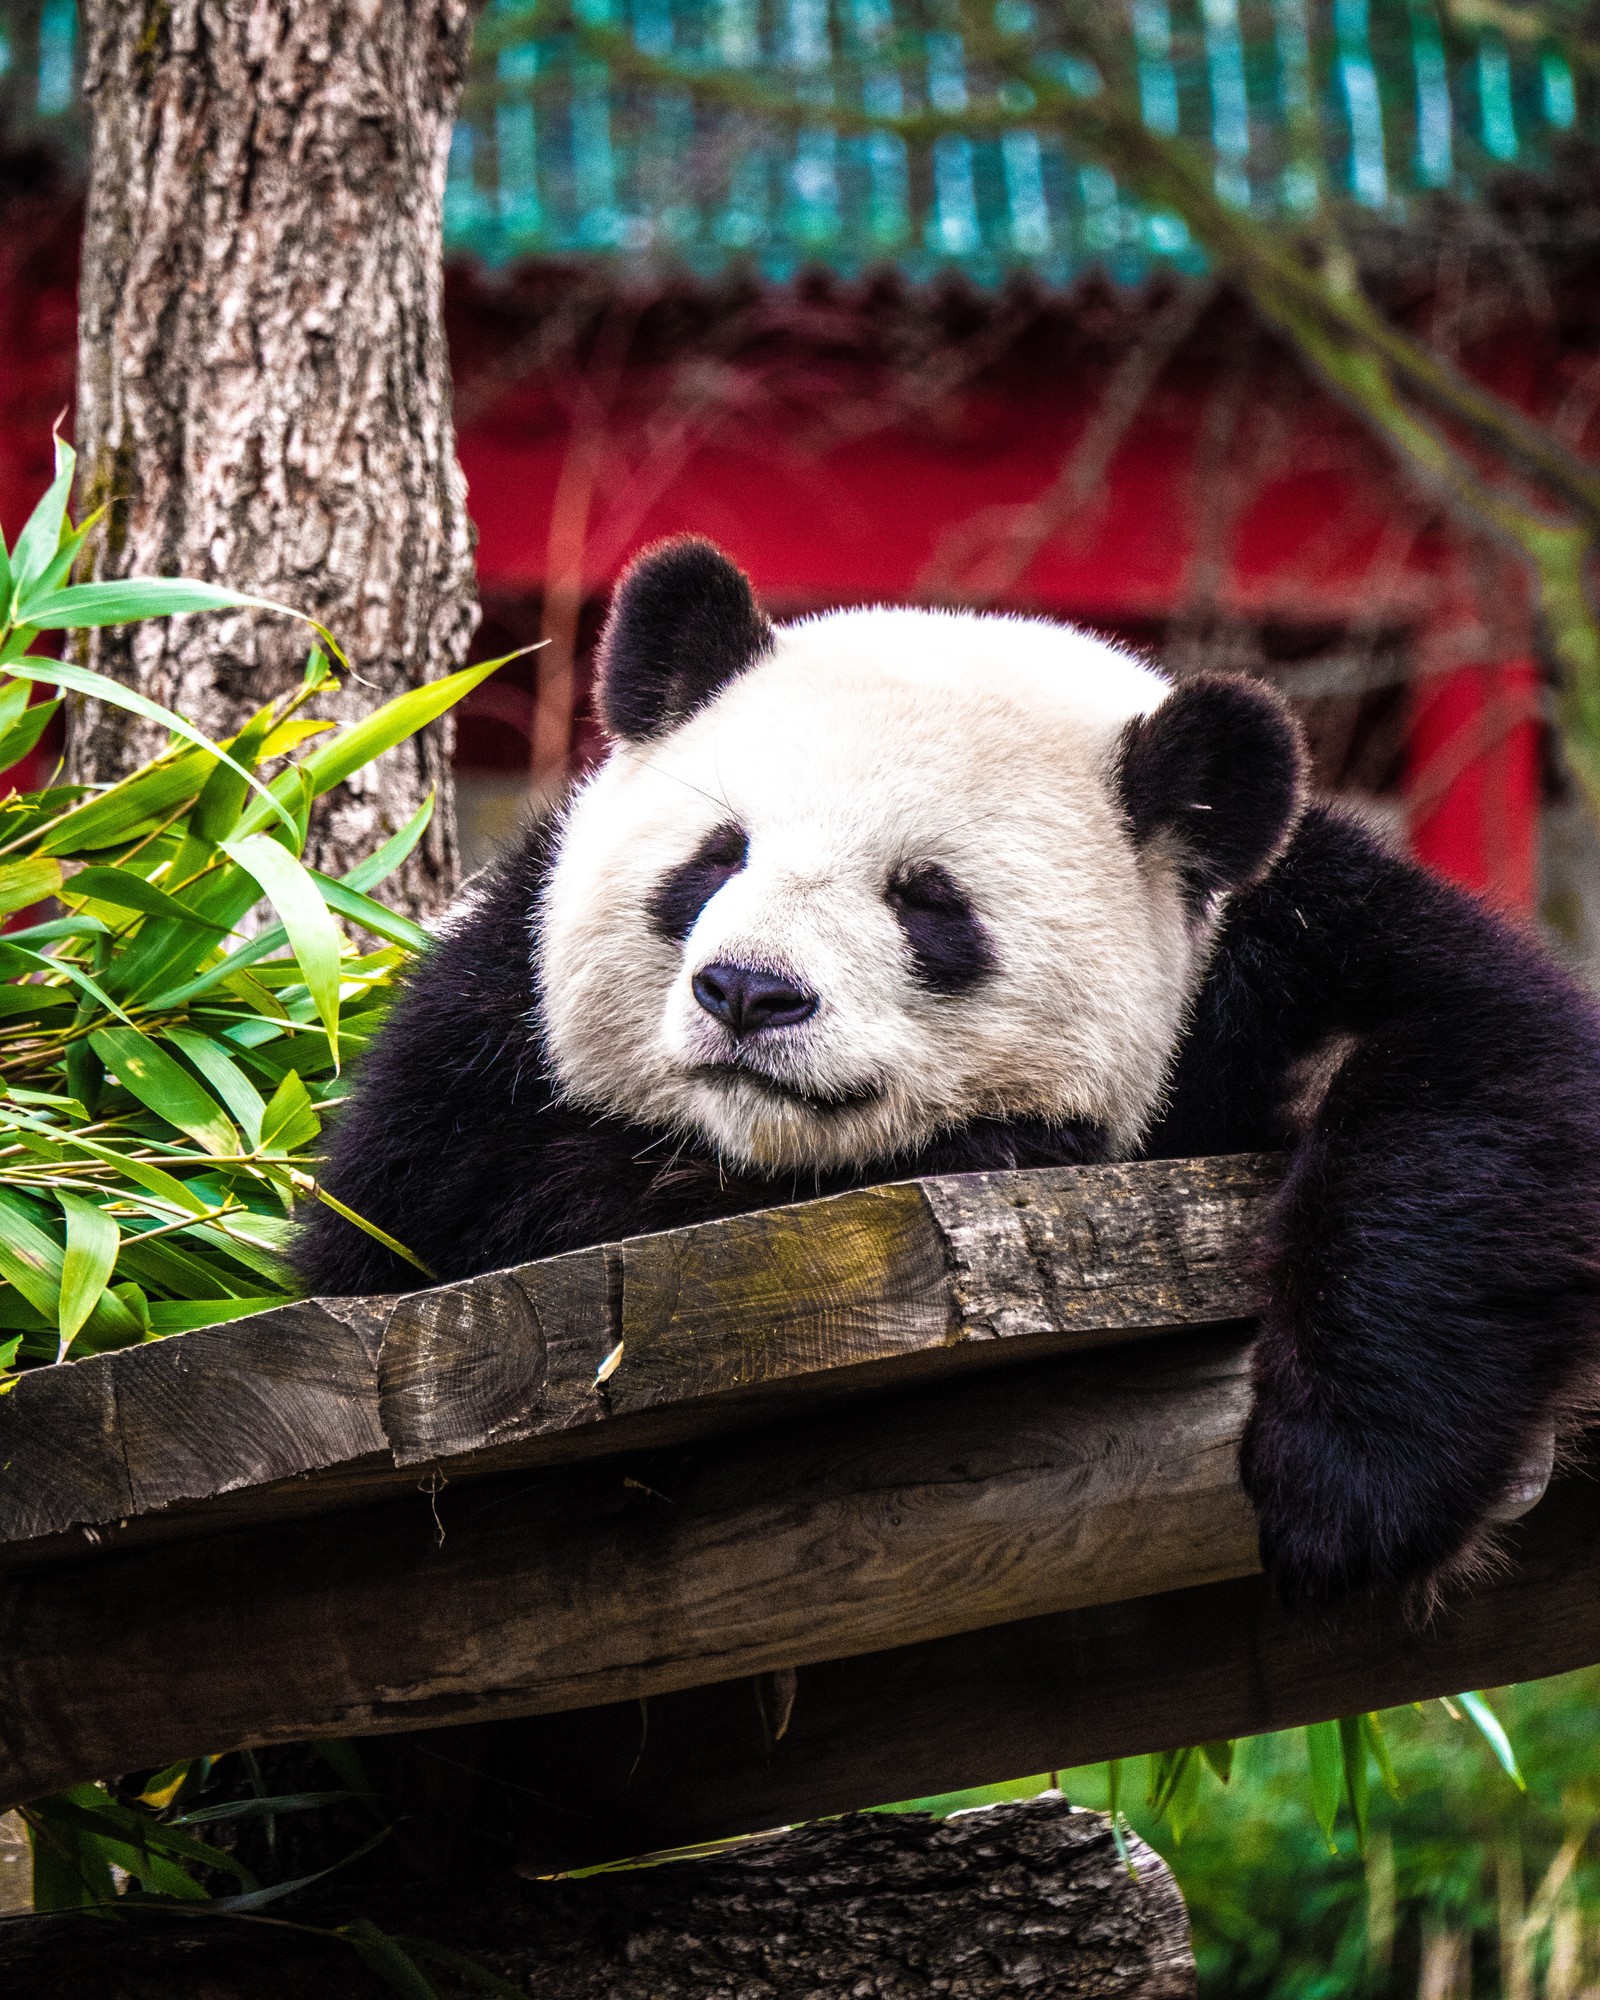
1006	898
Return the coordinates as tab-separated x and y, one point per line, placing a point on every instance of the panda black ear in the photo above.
1219	771
683	623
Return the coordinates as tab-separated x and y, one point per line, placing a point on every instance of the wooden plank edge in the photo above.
374	1478
468	1379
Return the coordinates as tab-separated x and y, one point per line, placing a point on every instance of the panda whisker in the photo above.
649	764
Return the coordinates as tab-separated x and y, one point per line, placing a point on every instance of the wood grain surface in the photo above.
333	1403
1009	1701
904	1514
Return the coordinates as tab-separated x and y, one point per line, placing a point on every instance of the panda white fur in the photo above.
894	891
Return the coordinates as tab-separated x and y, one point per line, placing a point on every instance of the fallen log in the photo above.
1026	1898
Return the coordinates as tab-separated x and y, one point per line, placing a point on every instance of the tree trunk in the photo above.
264	388
1028	1898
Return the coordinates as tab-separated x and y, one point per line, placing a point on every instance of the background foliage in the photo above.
177	1020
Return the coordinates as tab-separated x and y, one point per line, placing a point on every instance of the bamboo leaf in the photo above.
1372	1728
22	735
67	970
291	734
227	1236
257	1899
378	1235
93	1241
71	1868
232	1810
148	1073
132	892
466	1968
72	540
375	917
380	1954
109	817
17	1002
41	532
1353	1755
382	863
188	1316
216	811
84	680
1167	1773
1175	1788
30	1257
27	881
368	739
289	1123
225	1077
128	600
1491	1729
142	1838
1327	1775
14	697
155	1180
1219	1756
15	644
165	1786
79	925
313	935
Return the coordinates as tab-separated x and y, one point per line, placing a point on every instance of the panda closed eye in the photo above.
950	949
681	895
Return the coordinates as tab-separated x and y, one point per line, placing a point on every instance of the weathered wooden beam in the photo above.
336	1402
778	1475
900	1516
1075	1687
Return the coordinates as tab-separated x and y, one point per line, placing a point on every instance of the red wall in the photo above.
1236	490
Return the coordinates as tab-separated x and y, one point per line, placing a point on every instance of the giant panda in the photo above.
886	892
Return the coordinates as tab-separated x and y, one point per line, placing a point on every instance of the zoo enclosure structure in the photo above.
973	370
875	1497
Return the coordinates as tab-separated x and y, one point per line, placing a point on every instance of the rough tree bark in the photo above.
1029	1898
264	388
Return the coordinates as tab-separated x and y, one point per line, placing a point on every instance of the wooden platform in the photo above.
961	1452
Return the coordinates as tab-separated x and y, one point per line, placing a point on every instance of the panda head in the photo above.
844	885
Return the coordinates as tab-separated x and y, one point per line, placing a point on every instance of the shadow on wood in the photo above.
899	1516
1108	1680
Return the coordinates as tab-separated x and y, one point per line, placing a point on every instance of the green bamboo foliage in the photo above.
181	991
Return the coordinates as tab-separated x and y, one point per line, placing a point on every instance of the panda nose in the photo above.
745	998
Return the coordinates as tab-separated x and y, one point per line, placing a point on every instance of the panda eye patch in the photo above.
950	949
681	895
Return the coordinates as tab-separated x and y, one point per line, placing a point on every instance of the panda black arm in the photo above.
440	1105
1435	1270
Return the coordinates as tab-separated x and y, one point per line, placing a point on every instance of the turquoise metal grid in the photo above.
557	155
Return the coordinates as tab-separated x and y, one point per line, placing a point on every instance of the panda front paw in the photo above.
1343	1514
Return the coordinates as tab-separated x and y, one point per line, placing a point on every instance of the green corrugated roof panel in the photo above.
561	151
